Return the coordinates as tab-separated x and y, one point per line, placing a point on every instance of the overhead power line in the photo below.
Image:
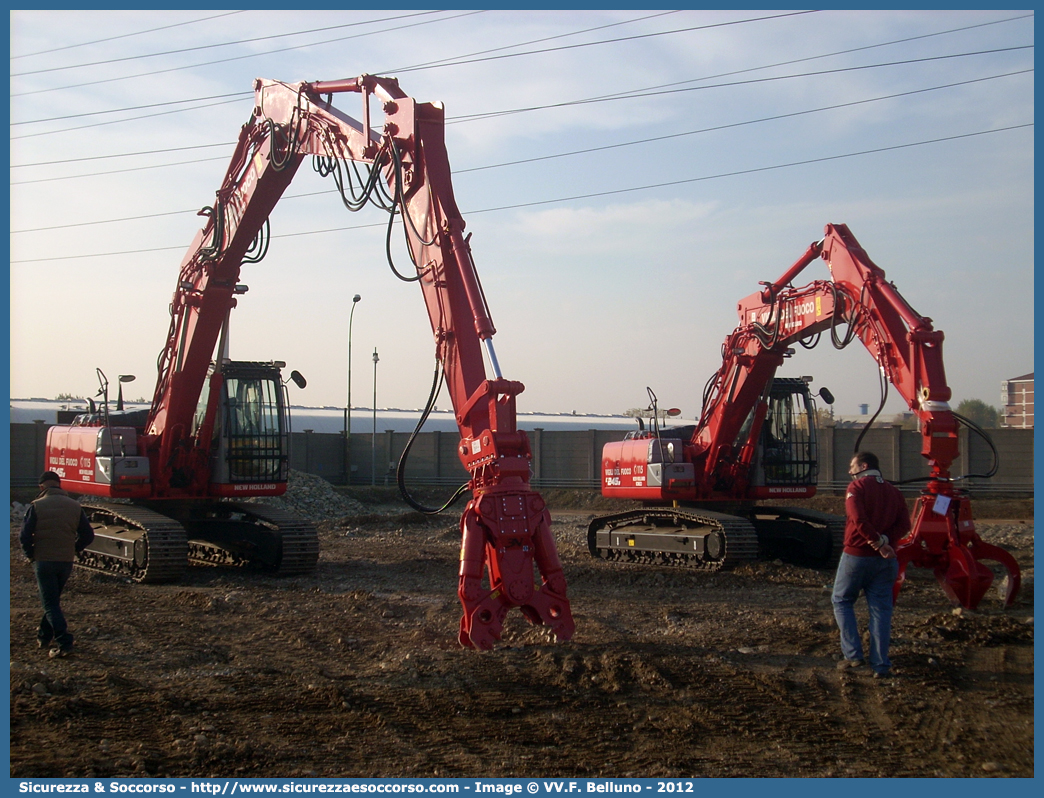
628	95
776	117
159	215
641	91
147	106
751	171
406	69
847	51
592	195
163	151
239	57
665	91
117	121
118	171
325	28
448	61
636	37
242	94
536	159
127	35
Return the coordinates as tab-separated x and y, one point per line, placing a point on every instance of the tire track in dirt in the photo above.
355	671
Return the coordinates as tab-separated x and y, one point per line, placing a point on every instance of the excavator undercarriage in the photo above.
715	541
147	546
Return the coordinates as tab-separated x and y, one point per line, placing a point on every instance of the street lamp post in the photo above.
373	442
348	403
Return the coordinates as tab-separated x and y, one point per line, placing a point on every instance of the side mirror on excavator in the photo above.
298	379
827	396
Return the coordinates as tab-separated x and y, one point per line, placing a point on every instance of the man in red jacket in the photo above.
876	517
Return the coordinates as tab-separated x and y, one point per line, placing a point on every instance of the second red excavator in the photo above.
703	487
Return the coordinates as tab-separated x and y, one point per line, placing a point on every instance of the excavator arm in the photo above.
506	526
908	351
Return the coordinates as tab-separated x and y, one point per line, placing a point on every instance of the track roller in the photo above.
251	534
694	538
134	542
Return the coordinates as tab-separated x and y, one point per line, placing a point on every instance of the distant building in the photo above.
1017	402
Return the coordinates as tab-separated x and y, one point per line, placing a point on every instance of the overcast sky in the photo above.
627	176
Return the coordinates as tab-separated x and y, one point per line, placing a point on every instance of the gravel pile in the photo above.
314	498
306	495
1011	534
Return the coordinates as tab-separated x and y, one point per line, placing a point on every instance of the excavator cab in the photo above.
252	432
788	452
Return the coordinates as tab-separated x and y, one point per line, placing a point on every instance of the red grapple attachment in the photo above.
507	533
944	539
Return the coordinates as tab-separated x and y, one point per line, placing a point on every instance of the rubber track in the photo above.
300	538
835	523
166	545
741	541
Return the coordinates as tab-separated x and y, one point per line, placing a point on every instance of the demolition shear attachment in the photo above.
503	535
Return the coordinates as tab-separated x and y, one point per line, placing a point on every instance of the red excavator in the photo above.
217	430
702	486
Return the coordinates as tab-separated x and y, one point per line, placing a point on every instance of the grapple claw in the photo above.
964	580
982	550
948	544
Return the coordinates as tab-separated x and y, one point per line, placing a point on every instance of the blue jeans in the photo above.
51	578
875	577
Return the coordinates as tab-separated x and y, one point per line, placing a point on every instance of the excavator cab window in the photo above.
255	435
788	435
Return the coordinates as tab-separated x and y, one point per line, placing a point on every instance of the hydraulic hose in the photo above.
873	418
993	448
259	246
982	433
400	470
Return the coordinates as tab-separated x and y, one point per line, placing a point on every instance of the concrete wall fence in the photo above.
571	459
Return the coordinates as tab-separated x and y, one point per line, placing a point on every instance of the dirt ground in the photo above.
355	671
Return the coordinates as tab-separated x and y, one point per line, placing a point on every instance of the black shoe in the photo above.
42	643
882	674
55	653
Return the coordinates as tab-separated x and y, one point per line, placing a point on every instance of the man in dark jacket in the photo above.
54	531
876	517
